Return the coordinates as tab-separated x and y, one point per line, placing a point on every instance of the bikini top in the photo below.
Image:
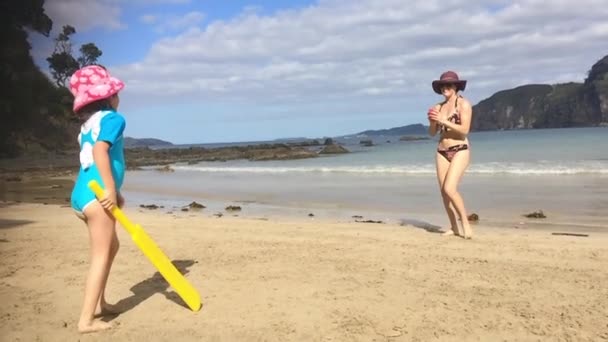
455	118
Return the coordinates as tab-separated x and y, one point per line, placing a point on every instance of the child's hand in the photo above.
120	200
109	199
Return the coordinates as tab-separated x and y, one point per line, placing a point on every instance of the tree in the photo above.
17	14
62	62
88	54
33	112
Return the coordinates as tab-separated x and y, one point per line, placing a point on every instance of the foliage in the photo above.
63	63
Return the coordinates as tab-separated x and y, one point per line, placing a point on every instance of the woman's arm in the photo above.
465	119
433	123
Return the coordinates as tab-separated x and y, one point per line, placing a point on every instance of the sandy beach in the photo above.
305	280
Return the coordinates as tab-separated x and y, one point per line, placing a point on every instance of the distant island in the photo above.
145	142
415	129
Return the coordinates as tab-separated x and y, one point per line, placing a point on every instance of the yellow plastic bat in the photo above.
162	263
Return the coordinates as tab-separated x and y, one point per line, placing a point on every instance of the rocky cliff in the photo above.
548	106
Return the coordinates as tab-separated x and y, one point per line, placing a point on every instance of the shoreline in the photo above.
54	187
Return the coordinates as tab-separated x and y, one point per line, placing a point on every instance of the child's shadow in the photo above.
149	287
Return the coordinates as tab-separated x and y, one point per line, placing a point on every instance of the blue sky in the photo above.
139	35
219	71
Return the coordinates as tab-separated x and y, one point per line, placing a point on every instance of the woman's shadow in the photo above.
149	287
429	227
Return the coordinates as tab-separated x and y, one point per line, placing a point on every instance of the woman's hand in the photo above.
109	200
433	115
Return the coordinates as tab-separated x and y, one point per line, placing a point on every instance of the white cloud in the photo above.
339	49
84	14
89	14
148	19
191	19
174	23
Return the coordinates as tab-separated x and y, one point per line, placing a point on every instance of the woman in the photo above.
452	119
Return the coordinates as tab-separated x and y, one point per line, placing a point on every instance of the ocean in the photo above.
563	172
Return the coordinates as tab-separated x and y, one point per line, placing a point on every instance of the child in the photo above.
101	158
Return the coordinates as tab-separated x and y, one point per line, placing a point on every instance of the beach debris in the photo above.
473	217
311	215
149	206
218	214
368	221
536	214
196	205
571	234
185	209
14	179
357	216
165	168
233	208
56	186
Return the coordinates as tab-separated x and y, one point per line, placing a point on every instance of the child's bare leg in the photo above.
103	308
101	230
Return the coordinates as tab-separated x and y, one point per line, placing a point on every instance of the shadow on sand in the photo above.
151	286
429	227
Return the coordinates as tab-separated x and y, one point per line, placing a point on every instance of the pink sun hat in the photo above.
93	83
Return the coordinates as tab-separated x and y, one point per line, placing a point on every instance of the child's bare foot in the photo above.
106	310
93	326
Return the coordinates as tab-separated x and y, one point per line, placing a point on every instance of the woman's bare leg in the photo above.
442	169
459	164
